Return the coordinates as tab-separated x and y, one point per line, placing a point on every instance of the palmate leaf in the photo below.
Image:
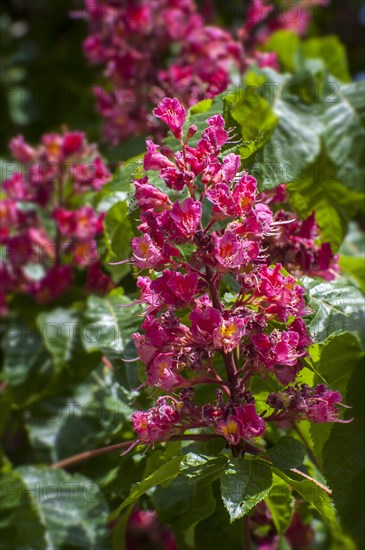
343	459
344	134
320	501
291	52
317	189
43	361
165	473
189	497
337	306
244	483
92	413
108	328
287	453
117	236
280	502
216	532
47	509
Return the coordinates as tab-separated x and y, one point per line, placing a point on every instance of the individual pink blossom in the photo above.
73	142
21	151
283	296
94	174
229	333
145	253
161	373
204	322
243	422
177	179
231	252
223	200
172	113
186	216
153	159
174	288
148	197
145	525
85	253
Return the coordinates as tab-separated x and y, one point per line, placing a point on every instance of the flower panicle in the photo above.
193	251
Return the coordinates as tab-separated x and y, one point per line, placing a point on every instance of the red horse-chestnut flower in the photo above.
56	175
194	334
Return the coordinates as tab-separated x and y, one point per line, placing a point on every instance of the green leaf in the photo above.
119	531
332	52
19	508
244	483
332	362
108	328
317	189
352	256
117	236
344	134
354	244
343	460
295	142
355	268
280	503
287	453
337	306
65	425
57	329
285	44
184	503
216	532
321	502
291	52
196	465
55	510
31	373
252	114
165	473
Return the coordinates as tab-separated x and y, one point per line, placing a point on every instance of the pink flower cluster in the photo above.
304	403
216	313
265	17
151	48
184	58
296	243
52	182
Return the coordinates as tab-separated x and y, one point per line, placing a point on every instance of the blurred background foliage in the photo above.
46	80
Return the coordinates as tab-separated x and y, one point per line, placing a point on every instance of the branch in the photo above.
76	459
323	487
